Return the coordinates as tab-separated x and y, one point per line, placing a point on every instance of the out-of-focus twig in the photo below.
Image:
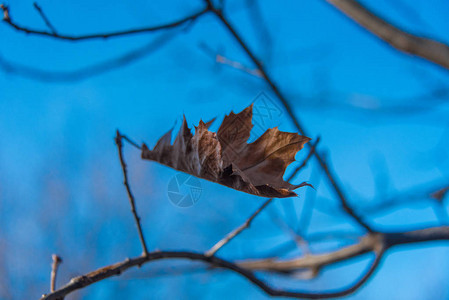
237	65
237	231
429	49
368	243
222	59
89	71
428	191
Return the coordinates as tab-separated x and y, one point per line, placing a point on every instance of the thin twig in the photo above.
259	24
131	142
407	197
236	65
331	177
237	231
118	141
7	19
56	260
222	59
44	17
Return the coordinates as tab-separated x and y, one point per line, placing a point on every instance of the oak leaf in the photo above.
226	158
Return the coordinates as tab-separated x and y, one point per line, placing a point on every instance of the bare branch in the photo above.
368	243
432	50
331	177
118	141
89	71
417	236
428	191
237	231
54	271
7	19
118	268
131	142
378	243
44	17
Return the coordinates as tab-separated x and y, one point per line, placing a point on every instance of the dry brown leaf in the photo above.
226	158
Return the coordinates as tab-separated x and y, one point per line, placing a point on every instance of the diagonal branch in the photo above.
238	230
429	49
118	141
7	19
368	243
330	175
44	17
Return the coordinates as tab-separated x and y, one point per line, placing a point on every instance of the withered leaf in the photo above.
226	158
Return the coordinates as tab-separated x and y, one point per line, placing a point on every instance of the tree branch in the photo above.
44	17
118	268
417	236
7	19
368	243
372	242
331	177
432	50
238	230
54	271
378	243
118	141
89	71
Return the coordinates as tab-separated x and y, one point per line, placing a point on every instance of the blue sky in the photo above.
60	185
